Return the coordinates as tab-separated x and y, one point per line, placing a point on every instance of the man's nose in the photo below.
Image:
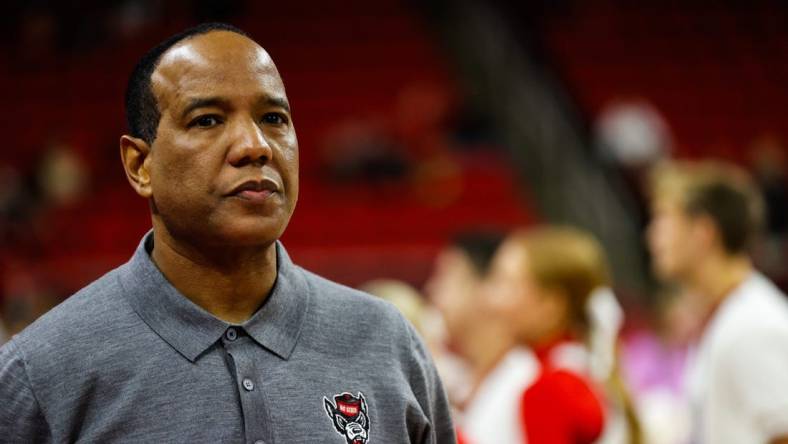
249	145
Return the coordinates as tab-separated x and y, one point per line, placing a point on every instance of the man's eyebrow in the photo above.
202	102
277	101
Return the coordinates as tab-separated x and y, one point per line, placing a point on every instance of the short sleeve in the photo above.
756	366
430	393
560	408
21	419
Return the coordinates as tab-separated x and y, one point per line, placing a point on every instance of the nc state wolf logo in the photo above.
349	415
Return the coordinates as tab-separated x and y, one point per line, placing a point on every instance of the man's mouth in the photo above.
255	190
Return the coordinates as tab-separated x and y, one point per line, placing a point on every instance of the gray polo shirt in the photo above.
130	359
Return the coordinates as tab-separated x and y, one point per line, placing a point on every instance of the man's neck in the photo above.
715	278
231	284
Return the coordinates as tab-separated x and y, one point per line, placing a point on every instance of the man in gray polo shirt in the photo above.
210	333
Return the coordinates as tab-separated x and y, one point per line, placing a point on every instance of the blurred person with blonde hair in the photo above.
548	283
705	215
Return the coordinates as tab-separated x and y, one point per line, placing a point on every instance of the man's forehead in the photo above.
210	63
215	45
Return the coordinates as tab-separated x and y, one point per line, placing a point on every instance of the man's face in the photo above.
224	165
674	240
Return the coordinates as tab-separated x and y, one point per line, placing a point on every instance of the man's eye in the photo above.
204	121
274	119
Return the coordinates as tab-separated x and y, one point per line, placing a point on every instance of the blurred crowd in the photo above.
531	342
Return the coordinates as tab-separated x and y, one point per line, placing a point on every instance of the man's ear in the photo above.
135	154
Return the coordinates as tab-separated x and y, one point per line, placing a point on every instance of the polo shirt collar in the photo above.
191	330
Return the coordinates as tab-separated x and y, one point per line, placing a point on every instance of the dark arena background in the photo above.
417	121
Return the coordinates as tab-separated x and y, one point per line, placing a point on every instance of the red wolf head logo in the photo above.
349	415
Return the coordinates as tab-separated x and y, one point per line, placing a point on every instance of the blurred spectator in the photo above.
542	283
481	340
705	216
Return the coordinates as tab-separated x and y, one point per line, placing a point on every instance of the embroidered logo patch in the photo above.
350	417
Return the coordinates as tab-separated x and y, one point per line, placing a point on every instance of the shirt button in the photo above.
248	384
231	334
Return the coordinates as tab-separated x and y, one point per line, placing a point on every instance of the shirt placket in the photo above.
240	349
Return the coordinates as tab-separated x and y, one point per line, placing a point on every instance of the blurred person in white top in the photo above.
704	216
496	370
487	395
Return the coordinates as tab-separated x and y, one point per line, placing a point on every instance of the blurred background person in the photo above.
453	288
705	216
541	284
492	367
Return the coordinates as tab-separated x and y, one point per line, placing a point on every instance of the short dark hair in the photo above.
731	209
721	191
480	247
142	110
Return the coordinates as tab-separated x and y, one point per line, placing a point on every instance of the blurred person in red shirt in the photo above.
704	217
540	284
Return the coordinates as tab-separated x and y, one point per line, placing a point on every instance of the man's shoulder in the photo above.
88	314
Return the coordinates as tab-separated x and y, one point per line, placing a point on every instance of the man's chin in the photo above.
250	236
254	229
228	231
